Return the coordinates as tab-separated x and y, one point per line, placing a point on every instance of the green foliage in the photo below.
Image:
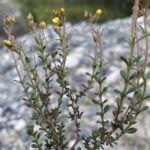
131	130
47	102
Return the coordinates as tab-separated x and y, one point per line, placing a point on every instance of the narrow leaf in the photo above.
148	96
34	146
106	108
95	101
88	74
117	91
123	74
124	59
27	60
130	90
144	108
131	130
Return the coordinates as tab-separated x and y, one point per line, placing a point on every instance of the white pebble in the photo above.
19	125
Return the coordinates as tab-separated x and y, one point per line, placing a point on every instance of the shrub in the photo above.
40	93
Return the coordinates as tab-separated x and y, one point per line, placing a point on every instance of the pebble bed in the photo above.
15	116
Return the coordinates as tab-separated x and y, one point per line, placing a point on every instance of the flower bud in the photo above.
54	12
8	43
30	17
13	19
86	14
9	20
42	25
57	21
62	11
99	11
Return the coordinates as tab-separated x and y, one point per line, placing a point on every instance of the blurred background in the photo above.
75	8
42	10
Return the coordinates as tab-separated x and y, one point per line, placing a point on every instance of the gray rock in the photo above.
7	136
1	111
24	136
19	125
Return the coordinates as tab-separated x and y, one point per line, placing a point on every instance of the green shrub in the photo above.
40	96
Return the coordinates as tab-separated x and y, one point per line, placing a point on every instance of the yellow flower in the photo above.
57	21
9	20
30	17
8	43
42	25
13	19
62	11
99	11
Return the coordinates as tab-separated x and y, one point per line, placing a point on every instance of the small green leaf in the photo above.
133	108
123	74
106	108
142	29
43	47
94	66
88	74
96	79
102	80
132	41
104	90
34	146
124	59
53	54
105	101
27	60
117	91
38	136
137	59
146	97
131	130
144	108
96	133
132	76
37	40
121	127
95	101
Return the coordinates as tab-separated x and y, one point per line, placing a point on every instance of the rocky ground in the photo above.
14	115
